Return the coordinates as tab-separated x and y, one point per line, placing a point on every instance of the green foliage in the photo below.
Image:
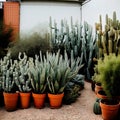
31	45
72	89
109	69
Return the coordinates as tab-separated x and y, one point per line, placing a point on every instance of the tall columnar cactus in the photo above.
108	39
67	37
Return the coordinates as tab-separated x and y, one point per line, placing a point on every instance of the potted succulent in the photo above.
38	75
60	73
8	84
22	80
109	70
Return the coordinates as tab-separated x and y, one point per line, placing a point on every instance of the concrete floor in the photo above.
82	109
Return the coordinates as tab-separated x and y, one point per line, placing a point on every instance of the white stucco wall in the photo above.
92	10
34	16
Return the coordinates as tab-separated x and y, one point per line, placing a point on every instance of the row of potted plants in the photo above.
46	74
107	74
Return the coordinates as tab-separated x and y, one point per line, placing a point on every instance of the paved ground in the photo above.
82	109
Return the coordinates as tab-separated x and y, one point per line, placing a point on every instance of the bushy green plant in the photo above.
31	45
109	70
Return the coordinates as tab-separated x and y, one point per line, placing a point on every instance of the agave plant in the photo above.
38	73
61	71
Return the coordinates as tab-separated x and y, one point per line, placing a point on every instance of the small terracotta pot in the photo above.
10	100
98	87
55	100
101	94
25	100
109	112
39	100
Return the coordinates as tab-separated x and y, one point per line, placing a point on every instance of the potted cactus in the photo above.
8	84
38	72
22	80
60	72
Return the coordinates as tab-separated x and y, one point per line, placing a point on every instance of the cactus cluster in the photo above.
21	74
66	37
6	76
71	37
108	39
14	73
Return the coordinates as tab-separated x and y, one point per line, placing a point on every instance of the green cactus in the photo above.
7	82
21	75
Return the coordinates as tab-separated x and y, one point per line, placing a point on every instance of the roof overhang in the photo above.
68	1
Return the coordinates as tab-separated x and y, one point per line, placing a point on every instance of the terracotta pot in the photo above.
25	100
10	100
98	87
55	100
109	112
101	94
39	100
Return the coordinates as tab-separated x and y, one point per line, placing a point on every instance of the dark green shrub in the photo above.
31	45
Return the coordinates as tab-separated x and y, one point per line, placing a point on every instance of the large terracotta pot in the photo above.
25	100
109	111
55	100
39	100
10	101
